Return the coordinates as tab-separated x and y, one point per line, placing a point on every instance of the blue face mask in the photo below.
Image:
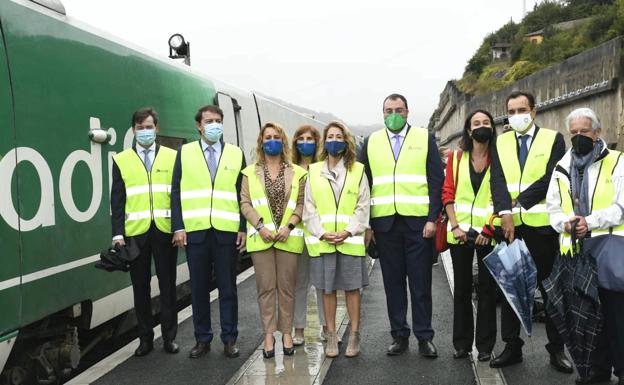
146	136
306	149
335	147
273	147
213	131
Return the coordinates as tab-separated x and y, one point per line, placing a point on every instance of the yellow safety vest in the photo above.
399	186
470	210
147	193
335	215
260	203
601	199
519	180
203	205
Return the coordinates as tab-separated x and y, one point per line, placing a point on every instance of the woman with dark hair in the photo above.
304	148
468	203
336	213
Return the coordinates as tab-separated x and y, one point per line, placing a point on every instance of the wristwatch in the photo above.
291	226
260	225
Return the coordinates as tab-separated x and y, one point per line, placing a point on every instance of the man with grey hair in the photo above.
587	188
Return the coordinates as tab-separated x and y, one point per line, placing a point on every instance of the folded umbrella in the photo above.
515	273
117	257
573	304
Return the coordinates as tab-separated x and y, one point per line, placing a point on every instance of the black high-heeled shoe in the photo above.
269	353
288	351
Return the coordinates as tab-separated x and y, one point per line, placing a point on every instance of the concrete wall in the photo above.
590	79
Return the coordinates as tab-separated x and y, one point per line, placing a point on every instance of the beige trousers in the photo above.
276	276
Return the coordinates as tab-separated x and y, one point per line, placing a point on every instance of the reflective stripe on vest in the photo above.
334	215
470	210
203	205
535	167
601	199
399	186
260	203
147	194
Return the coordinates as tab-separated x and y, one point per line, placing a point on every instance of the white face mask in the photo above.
520	122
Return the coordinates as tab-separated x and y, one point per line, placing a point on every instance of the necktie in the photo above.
524	150
212	162
147	161
396	148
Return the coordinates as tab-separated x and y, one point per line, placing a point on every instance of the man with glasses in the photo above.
406	175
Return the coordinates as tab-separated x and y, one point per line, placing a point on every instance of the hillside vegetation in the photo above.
597	21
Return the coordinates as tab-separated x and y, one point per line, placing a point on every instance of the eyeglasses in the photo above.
396	110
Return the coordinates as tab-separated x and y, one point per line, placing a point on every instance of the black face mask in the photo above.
482	134
582	144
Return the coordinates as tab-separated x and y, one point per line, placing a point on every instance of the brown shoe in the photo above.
353	347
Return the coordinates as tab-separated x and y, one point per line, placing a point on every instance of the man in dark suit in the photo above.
140	206
519	182
206	219
406	176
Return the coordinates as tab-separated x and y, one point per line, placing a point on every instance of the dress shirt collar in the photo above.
530	133
217	146
401	133
140	149
340	169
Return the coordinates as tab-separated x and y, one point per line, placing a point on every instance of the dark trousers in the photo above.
159	245
463	323
543	249
404	253
203	258
610	350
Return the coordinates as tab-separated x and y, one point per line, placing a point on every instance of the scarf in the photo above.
579	181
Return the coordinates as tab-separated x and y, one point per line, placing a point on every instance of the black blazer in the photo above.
118	202
435	179
223	237
535	192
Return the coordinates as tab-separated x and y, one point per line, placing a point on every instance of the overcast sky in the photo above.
335	56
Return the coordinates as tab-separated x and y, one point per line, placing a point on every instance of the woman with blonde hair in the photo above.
305	143
336	212
272	202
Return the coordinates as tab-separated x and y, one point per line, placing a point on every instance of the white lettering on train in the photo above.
45	214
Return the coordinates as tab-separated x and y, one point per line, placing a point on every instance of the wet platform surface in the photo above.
309	366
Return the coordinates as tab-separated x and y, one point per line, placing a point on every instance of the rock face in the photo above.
590	79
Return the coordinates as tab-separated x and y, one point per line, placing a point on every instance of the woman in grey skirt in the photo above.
336	212
305	143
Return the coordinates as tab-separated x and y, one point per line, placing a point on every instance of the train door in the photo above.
10	258
231	117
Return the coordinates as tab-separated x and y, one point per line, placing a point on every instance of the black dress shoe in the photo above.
426	348
595	378
199	349
399	346
460	353
509	356
269	353
288	351
230	349
171	347
144	348
560	362
484	356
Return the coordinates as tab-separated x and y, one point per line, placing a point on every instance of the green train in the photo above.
61	83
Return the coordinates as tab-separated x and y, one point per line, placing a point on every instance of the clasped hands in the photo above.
581	226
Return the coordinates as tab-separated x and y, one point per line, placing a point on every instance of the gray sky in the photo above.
335	56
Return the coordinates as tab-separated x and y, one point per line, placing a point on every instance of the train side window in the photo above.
170	141
230	128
